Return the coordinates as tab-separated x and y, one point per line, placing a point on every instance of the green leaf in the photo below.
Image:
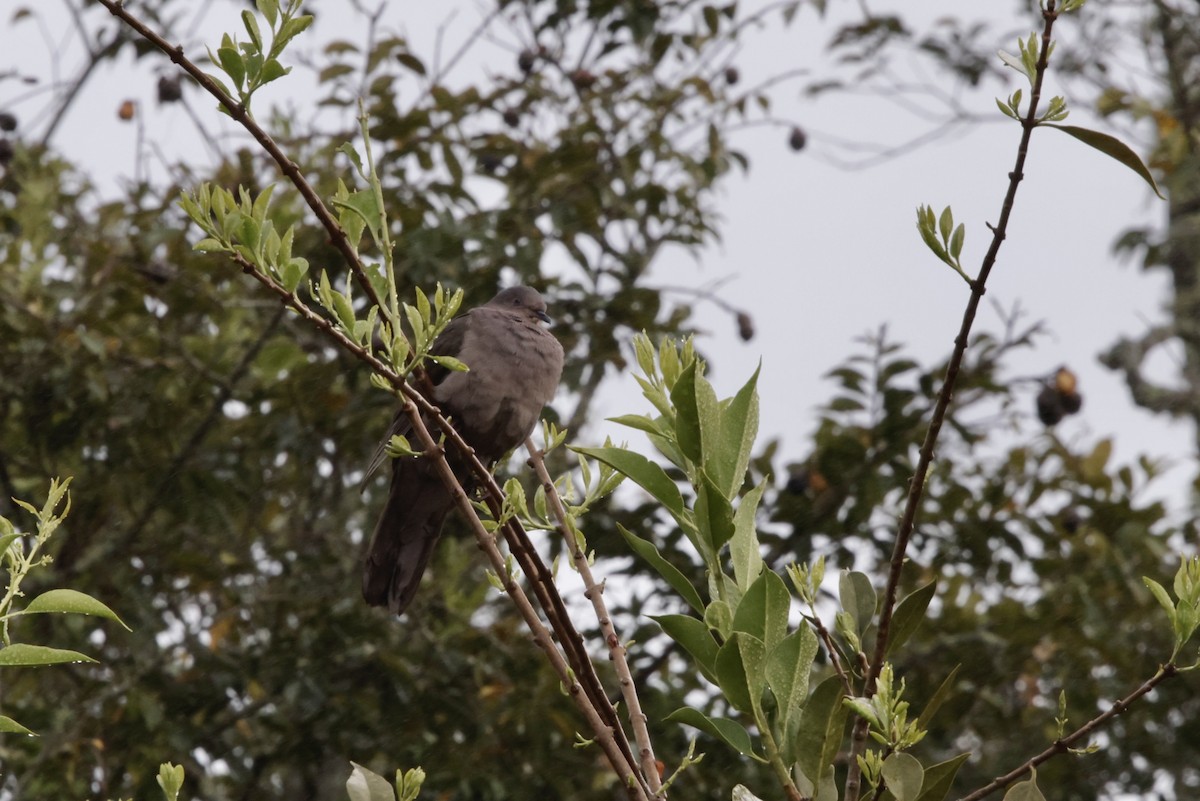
708	410
714	519
71	602
1092	466
695	637
231	61
348	149
291	272
909	614
411	62
418	324
668	571
1012	61
687	415
343	309
364	785
21	655
272	71
1113	147
939	696
719	617
1026	790
262	203
643	351
290	29
957	239
638	421
819	734
7	540
209	245
361	206
643	472
763	610
450	363
1005	109
939	778
945	223
269	9
10	726
1164	600
741	672
858	598
728	731
251	25
904	776
170	778
744	550
789	667
738	430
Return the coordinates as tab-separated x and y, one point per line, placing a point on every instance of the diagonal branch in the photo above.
1062	745
594	592
337	235
604	722
916	489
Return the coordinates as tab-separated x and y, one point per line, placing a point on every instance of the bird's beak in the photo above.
545	318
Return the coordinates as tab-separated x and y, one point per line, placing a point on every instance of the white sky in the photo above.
818	255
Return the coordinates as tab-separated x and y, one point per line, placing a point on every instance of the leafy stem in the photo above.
925	459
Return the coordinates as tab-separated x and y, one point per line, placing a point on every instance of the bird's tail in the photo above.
405	535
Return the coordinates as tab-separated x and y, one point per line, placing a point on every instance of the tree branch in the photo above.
594	592
916	489
1061	746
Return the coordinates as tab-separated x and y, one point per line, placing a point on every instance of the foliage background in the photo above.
215	444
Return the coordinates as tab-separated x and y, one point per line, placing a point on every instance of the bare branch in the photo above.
594	592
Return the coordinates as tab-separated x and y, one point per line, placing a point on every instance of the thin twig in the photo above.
1062	745
831	649
594	592
541	634
916	489
289	168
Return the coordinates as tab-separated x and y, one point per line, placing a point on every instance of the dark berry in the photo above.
1049	407
170	90
797	139
583	79
745	325
1071	402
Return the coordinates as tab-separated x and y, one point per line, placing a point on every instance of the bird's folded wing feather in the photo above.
448	343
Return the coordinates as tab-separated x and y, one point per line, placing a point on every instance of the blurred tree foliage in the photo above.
1138	65
217	444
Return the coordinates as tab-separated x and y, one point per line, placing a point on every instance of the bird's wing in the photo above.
448	343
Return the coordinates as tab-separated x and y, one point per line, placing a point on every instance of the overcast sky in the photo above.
818	254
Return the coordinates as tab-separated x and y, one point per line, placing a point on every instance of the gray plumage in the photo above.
515	365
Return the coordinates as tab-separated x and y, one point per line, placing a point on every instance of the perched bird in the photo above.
514	367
